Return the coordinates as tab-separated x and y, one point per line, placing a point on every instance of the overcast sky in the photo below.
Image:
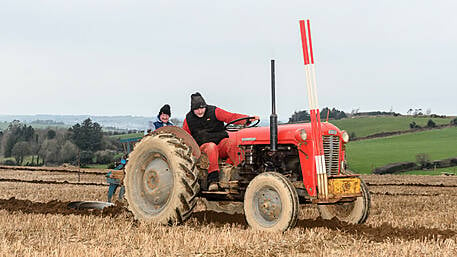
131	57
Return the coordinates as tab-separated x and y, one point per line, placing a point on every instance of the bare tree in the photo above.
69	152
20	150
49	151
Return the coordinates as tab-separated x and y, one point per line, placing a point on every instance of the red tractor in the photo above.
273	173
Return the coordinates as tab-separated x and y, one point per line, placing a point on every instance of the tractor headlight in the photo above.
345	136
303	134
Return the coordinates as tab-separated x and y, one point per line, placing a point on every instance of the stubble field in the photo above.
410	216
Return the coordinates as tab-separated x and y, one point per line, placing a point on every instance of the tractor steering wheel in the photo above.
232	127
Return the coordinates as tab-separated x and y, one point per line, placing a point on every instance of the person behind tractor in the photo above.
114	183
163	119
206	125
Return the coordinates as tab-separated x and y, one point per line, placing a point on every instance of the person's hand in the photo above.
252	119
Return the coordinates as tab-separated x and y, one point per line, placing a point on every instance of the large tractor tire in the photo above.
271	203
161	181
351	212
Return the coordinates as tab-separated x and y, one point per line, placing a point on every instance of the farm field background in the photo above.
364	155
361	126
365	126
410	215
131	135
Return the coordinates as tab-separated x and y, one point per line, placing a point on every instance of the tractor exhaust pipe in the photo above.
273	116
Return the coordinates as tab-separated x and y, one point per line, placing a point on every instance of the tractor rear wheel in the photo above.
355	212
271	203
161	180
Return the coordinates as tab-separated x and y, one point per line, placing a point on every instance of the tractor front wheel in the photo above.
355	212
271	203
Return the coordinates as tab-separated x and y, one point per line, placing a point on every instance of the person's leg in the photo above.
224	147
226	151
212	152
121	193
111	190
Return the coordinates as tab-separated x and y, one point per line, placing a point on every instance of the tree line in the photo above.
335	114
81	144
85	143
303	116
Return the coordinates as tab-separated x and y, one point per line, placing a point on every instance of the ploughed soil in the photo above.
56	207
376	234
52	182
434	190
55	169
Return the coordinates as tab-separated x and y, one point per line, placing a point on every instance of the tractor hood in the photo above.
287	134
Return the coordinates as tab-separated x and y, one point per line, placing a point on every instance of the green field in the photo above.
97	166
363	156
365	126
123	136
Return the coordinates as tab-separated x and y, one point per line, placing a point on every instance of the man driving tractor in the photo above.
206	125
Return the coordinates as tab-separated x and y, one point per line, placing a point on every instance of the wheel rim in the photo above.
155	184
268	206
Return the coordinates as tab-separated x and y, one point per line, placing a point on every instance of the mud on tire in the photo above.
161	180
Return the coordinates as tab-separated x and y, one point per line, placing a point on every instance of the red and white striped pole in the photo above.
318	149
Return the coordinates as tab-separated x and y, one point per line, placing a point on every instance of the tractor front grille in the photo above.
332	154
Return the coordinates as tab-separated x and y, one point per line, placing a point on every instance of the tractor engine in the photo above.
260	158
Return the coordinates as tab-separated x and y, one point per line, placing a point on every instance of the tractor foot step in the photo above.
215	192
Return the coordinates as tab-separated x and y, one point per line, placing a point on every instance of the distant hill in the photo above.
126	122
361	126
364	126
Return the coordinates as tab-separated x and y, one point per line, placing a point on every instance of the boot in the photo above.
213	178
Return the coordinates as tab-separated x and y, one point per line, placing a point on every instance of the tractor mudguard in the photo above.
186	137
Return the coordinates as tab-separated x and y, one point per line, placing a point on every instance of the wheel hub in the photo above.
152	179
268	204
156	185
